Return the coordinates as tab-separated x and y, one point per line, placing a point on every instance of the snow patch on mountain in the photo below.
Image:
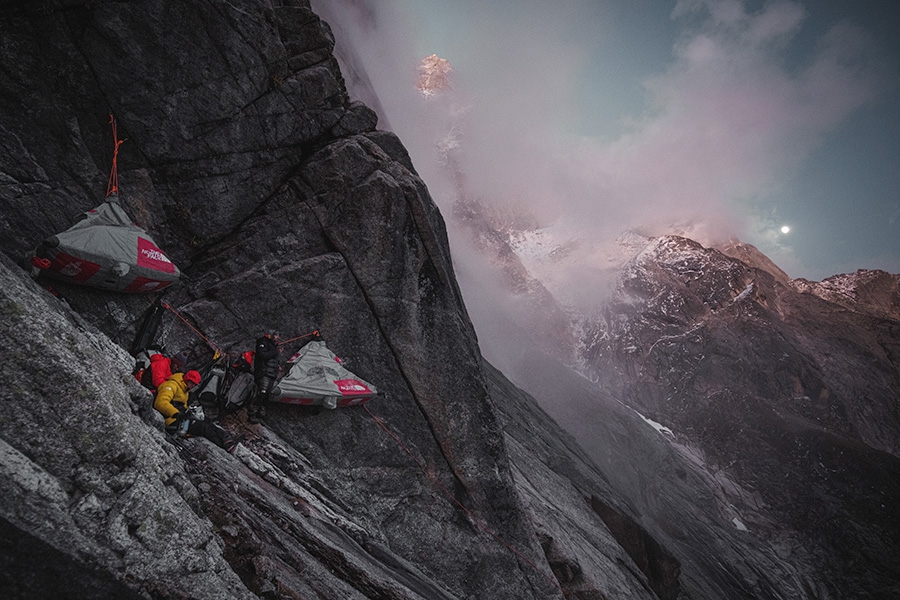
533	245
745	294
657	426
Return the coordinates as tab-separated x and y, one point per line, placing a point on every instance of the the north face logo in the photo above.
153	254
151	257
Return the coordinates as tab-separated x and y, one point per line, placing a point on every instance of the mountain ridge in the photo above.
692	339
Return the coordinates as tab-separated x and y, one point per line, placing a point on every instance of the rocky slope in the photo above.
775	403
792	397
287	211
795	398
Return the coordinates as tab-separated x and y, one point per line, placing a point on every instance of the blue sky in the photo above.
718	117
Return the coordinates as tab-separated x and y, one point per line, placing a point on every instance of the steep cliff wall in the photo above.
287	211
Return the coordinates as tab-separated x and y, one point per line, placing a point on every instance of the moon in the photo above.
785	229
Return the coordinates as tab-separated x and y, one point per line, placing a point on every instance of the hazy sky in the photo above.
722	116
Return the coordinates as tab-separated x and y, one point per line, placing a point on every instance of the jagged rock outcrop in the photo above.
287	211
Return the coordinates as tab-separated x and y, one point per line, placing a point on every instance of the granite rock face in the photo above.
95	502
288	212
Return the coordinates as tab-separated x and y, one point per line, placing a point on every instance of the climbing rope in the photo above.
112	187
484	526
299	337
218	351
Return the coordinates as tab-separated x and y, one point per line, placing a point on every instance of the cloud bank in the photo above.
723	125
736	110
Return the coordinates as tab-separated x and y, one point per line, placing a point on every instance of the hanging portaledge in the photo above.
317	378
106	249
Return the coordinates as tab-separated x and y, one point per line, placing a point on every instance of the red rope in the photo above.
453	498
316	332
195	330
112	187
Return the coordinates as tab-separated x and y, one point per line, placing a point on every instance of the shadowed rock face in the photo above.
287	211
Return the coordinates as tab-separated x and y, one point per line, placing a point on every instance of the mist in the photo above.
707	151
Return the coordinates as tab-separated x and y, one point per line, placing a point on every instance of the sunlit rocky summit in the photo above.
433	75
716	430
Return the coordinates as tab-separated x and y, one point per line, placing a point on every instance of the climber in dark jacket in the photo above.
265	372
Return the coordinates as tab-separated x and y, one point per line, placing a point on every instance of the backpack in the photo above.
240	392
212	386
142	371
147	378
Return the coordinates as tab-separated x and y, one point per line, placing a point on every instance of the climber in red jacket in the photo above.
160	369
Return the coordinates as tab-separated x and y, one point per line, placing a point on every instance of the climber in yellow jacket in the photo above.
172	396
172	402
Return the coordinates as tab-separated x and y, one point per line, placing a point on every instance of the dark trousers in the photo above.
205	429
208	430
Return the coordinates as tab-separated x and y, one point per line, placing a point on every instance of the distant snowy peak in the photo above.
876	293
554	258
638	265
549	243
872	292
680	281
670	249
690	260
